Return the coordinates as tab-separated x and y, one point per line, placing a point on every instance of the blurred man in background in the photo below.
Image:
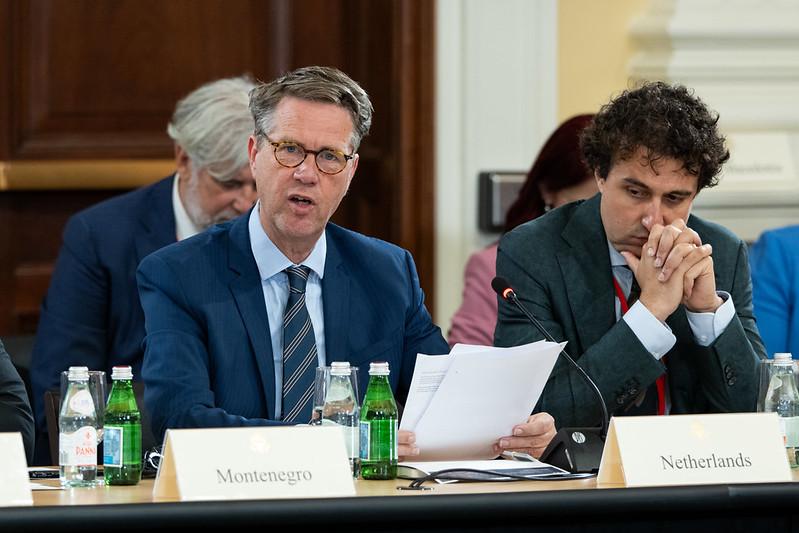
91	315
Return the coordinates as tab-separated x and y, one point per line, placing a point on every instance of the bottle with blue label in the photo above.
122	456
379	443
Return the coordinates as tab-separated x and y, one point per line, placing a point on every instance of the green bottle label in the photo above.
112	445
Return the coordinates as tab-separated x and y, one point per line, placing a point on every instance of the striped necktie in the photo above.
299	350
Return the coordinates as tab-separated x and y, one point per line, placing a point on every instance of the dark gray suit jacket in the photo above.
559	266
15	410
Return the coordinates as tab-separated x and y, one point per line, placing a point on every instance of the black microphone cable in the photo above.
504	290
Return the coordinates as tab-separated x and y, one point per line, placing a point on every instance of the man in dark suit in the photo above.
91	315
238	318
688	343
15	411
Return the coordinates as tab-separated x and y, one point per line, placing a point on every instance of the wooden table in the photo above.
142	493
563	506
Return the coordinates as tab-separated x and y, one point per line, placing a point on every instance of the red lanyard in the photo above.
661	382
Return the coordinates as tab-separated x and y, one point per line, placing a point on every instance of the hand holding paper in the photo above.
531	437
459	405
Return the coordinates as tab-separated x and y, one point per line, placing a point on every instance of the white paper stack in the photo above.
460	404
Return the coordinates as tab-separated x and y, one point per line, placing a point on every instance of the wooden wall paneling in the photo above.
100	79
414	48
367	34
31	224
6	42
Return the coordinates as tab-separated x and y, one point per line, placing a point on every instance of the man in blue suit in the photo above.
238	318
775	288
91	315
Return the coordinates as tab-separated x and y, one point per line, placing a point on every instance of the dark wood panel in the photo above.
99	78
31	224
6	79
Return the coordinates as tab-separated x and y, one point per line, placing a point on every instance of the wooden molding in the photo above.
82	174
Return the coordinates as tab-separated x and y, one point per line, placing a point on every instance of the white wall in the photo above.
742	58
496	103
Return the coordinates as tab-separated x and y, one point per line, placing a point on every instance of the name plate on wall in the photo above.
694	450
254	463
15	489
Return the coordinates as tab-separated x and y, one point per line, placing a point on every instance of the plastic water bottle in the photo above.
122	458
379	426
341	409
77	426
782	398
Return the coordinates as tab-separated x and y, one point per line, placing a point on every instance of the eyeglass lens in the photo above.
292	155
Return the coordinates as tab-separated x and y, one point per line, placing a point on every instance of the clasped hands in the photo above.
674	268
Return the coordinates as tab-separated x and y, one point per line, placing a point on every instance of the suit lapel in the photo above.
335	301
585	267
246	288
157	220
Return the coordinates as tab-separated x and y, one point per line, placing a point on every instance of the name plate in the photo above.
254	463
694	450
15	489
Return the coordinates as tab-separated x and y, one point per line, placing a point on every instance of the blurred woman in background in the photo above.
558	176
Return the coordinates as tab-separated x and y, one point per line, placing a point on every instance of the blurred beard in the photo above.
198	216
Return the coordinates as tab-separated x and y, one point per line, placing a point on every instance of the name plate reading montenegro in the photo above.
15	489
254	463
694	450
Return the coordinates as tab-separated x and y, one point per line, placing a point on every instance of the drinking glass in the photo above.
766	369
98	390
321	382
766	373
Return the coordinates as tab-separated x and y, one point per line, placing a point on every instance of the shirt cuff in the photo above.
655	335
707	327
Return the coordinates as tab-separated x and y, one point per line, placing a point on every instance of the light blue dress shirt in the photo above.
655	335
275	285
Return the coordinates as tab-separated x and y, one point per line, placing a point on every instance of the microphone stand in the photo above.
578	449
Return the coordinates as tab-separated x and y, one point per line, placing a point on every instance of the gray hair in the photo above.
315	84
213	123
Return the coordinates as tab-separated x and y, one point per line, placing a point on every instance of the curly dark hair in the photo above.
666	120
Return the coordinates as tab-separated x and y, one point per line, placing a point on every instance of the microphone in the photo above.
578	450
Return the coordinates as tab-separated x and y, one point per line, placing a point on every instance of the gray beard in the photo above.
196	213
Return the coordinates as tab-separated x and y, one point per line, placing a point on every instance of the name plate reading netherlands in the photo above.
254	463
15	489
694	450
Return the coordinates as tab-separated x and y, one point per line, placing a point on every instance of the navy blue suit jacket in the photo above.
208	354
775	288
91	315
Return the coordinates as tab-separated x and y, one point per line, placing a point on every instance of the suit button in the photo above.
731	381
620	400
633	391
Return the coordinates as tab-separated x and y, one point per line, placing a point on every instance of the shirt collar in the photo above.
616	259
184	226
271	260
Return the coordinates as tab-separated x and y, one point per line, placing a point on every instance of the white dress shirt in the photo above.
184	226
275	285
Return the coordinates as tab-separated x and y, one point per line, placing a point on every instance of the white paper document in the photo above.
460	404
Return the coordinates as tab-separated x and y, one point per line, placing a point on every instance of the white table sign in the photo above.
254	463
15	487
694	449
